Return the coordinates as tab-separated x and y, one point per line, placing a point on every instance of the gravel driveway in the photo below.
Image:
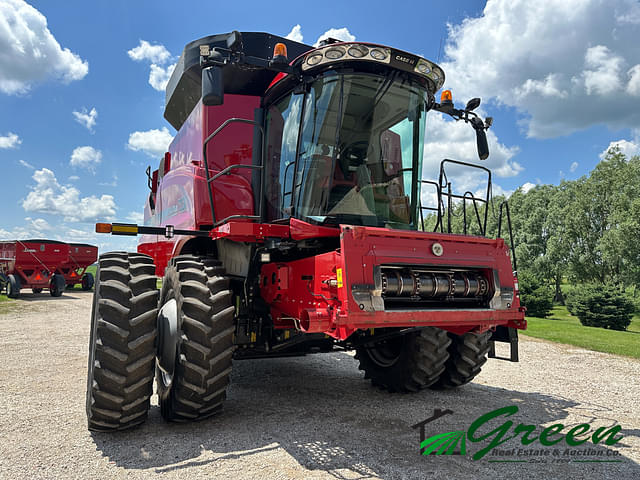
308	417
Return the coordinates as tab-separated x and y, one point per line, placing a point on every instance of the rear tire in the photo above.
87	281
407	363
205	314
122	342
467	354
13	286
57	285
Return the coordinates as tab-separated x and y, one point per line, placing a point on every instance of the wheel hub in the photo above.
167	340
387	352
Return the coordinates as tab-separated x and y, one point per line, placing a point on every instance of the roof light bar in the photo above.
342	52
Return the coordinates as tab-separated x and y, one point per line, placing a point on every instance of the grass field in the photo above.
563	328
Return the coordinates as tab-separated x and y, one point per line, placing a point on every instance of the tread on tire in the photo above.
467	355
122	343
419	362
206	327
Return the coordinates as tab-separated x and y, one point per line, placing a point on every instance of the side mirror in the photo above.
472	104
483	147
212	86
481	138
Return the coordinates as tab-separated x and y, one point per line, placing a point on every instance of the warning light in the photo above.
103	228
446	97
280	50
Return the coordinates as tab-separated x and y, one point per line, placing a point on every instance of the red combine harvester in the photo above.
32	264
81	255
286	218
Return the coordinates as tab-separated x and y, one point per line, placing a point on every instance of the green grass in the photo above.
561	327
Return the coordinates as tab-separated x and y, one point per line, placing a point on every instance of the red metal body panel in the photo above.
182	197
80	257
33	261
300	292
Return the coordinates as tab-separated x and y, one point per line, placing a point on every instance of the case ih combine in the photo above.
286	219
40	264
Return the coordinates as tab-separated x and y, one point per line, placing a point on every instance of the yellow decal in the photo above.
125	229
339	277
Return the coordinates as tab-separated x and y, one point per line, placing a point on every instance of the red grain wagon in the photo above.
81	255
33	264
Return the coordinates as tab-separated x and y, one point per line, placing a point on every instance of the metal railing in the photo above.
446	198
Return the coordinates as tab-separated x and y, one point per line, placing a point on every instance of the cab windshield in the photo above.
359	153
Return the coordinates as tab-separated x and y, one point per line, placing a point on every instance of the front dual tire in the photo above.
124	346
429	357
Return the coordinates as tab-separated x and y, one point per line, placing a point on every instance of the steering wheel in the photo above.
356	151
353	154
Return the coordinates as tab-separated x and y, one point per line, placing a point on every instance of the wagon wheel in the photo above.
87	281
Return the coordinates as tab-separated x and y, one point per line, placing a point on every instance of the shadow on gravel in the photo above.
320	411
39	297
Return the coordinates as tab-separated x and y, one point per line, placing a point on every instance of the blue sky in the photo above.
560	78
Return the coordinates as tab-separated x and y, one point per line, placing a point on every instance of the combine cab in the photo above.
285	219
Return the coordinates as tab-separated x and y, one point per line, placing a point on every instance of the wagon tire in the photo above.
13	286
467	355
122	342
57	285
406	363
87	281
203	306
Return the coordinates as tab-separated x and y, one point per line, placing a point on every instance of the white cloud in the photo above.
38	224
26	164
86	118
159	76
295	34
565	65
337	33
152	142
156	55
573	167
629	149
152	53
633	87
48	196
527	186
447	139
135	217
74	178
457	141
86	157
30	53
11	140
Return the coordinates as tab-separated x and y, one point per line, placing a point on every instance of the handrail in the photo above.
511	243
444	183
